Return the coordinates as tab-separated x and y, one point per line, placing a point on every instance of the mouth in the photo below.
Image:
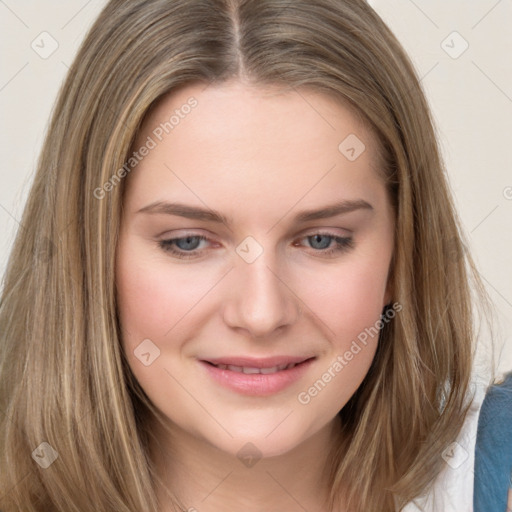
261	377
248	370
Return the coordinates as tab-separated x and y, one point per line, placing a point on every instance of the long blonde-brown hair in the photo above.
63	376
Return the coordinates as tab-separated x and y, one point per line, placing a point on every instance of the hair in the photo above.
63	376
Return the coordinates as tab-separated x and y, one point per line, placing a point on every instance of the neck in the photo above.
208	479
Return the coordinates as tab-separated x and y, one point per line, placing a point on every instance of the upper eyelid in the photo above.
306	232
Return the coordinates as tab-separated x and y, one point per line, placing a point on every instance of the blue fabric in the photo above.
493	452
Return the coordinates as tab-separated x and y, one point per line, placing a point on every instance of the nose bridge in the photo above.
260	302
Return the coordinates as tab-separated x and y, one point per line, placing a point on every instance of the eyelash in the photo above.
342	244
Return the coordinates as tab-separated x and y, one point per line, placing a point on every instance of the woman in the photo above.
242	281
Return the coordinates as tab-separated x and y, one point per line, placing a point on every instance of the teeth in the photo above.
266	371
249	371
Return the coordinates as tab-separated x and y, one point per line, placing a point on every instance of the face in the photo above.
254	235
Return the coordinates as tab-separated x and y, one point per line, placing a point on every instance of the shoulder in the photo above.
452	490
493	451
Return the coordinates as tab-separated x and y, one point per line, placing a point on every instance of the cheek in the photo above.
349	303
156	303
347	298
152	299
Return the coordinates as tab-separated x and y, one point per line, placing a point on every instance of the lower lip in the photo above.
257	384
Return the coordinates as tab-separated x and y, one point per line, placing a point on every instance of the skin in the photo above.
258	156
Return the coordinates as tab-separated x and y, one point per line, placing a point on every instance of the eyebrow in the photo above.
204	214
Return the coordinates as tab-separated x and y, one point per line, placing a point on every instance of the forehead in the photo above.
239	140
233	105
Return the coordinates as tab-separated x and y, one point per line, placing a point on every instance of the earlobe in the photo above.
389	292
388	296
386	308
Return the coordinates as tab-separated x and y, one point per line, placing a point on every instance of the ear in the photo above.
388	298
388	294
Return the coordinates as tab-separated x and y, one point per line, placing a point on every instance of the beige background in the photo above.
462	50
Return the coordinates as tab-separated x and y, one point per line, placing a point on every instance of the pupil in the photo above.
188	243
316	239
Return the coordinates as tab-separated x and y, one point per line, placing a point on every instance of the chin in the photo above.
272	440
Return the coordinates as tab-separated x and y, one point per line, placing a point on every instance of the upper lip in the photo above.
257	362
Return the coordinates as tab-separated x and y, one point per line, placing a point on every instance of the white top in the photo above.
452	490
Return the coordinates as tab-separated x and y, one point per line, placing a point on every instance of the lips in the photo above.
257	376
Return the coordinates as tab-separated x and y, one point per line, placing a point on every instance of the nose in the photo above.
261	299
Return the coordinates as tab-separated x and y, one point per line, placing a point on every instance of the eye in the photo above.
184	247
324	244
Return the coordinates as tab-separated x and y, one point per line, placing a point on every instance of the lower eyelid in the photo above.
172	241
340	243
